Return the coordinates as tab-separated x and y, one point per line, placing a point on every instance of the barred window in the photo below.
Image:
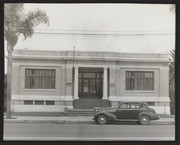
50	103
39	102
39	79
139	80
28	102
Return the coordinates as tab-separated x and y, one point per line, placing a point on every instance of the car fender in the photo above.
149	114
110	116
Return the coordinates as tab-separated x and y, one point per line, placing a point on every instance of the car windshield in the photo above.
143	106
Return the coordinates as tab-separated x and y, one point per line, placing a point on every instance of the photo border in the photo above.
177	72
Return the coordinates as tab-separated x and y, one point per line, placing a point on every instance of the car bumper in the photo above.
155	117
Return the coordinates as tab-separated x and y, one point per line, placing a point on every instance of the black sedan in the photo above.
127	111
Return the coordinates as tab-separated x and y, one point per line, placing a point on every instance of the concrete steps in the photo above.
80	112
90	103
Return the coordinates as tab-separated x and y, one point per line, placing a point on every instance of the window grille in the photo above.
39	102
139	80
49	102
28	102
39	79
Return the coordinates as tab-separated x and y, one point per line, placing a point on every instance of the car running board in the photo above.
127	120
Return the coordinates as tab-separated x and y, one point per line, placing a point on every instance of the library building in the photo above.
64	80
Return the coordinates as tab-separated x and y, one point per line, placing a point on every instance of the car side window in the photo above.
133	106
124	106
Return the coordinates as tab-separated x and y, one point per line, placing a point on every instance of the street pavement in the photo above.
87	132
72	120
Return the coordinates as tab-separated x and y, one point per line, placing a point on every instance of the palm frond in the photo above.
172	75
32	19
11	37
172	8
17	22
172	54
37	17
13	13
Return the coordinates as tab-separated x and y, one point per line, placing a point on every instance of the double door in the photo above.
90	85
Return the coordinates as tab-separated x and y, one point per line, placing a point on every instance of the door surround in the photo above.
90	83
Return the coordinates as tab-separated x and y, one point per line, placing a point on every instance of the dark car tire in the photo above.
102	119
144	120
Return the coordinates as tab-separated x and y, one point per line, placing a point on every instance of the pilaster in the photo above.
68	80
76	82
112	81
105	86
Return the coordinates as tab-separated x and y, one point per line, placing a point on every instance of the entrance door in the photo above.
90	84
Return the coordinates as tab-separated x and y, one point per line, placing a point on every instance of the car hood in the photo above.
104	108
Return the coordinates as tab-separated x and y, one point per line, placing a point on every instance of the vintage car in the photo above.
127	111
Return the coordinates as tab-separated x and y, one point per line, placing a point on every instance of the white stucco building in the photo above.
95	74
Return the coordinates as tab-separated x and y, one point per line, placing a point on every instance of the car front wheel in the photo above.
102	119
144	119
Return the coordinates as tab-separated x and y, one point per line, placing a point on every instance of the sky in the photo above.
154	21
142	28
108	17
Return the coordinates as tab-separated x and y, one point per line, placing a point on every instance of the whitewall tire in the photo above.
102	119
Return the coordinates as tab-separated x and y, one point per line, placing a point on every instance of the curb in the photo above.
49	121
78	122
163	123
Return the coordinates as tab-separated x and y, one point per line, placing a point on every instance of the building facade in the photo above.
50	81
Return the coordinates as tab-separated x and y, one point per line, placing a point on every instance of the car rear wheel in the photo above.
102	119
144	119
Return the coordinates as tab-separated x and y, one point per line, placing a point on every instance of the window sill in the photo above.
138	91
44	90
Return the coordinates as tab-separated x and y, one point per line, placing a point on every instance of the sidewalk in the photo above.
72	120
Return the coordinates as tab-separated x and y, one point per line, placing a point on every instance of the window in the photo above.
124	106
49	102
137	106
139	80
90	82
28	102
39	79
80	85
39	102
92	86
150	103
133	106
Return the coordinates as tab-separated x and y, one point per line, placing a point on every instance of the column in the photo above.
76	82
112	82
68	81
105	86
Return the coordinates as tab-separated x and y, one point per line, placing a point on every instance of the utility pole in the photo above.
73	71
73	55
